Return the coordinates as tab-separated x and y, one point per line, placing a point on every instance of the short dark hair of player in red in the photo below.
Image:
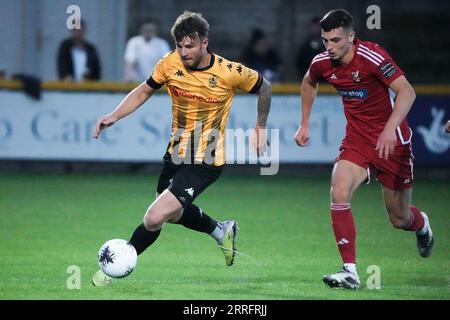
337	18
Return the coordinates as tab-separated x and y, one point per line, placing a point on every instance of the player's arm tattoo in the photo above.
264	99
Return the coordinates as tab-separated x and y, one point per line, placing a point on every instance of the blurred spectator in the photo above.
78	59
143	52
310	47
261	57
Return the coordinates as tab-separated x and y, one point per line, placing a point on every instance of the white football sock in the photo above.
350	267
424	230
217	234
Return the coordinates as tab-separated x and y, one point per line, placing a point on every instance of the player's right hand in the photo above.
102	123
302	136
258	139
447	127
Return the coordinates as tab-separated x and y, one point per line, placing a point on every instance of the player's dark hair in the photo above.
189	24
337	18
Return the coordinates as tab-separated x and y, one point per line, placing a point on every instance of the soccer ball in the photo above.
117	258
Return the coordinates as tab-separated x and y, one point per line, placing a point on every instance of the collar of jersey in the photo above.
211	63
356	43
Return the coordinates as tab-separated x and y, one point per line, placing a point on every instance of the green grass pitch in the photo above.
49	222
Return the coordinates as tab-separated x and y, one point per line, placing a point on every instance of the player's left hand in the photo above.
386	143
447	127
258	139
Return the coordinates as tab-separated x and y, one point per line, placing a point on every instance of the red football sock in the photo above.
344	231
416	221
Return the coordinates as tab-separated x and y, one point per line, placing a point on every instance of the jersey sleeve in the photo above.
314	72
244	78
315	69
158	77
386	70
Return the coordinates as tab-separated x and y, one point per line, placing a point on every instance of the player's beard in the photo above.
195	62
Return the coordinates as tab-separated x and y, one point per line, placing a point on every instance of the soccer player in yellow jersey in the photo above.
202	86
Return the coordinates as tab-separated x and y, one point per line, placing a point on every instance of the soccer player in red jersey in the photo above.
377	136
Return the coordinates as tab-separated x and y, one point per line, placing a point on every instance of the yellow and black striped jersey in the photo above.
201	103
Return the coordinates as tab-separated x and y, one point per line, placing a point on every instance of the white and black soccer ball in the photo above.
117	258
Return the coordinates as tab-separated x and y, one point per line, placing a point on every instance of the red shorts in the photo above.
396	173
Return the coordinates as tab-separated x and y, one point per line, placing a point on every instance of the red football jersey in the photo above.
364	87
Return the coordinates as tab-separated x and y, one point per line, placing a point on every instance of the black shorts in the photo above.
186	181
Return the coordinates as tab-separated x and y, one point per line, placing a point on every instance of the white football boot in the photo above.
343	278
100	279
